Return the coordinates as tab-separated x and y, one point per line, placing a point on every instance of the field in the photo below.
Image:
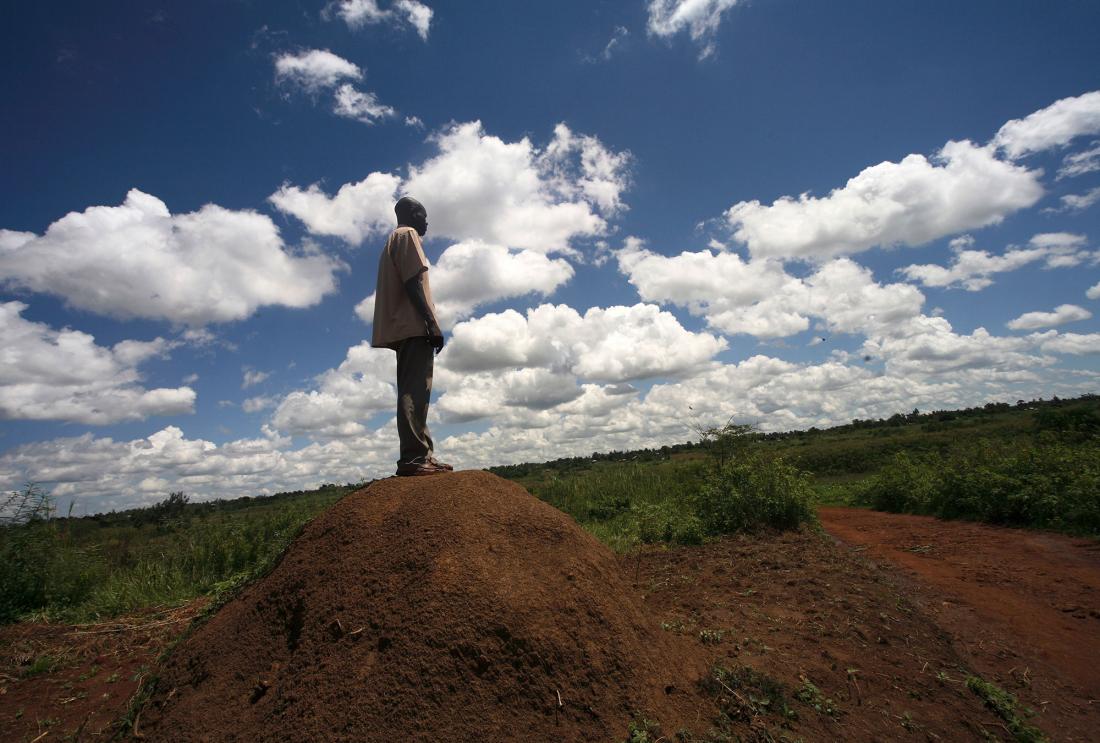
132	581
1034	465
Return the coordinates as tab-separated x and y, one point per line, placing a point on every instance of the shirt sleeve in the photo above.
408	256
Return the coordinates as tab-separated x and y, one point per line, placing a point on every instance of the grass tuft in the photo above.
1004	705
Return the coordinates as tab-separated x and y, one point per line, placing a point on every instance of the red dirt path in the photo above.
1023	607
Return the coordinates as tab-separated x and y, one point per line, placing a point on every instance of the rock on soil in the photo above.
451	607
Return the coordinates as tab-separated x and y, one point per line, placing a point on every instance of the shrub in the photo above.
667	522
905	485
752	493
1051	483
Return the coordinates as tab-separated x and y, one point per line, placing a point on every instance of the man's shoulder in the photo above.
404	231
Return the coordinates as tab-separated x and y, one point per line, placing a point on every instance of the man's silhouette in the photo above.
404	320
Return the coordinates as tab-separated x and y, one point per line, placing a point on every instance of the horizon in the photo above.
827	213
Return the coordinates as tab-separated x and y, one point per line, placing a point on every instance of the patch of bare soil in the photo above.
849	645
74	682
1022	607
451	607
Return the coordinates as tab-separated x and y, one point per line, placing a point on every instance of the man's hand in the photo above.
435	336
415	289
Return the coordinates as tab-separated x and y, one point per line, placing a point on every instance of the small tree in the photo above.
162	512
724	443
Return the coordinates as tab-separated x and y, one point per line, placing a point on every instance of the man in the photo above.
404	320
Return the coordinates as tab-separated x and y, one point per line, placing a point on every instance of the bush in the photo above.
623	505
905	485
755	492
667	522
1052	483
39	565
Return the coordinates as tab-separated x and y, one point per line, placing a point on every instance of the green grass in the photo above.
62	569
680	501
1005	706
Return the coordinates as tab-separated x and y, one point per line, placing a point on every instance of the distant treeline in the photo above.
1057	414
178	505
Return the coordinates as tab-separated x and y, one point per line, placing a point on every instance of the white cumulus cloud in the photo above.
479	187
319	70
315	70
355	104
509	193
344	397
137	260
1060	316
252	377
1075	344
760	298
473	273
613	344
258	403
1054	126
905	203
417	14
359	13
1079	163
700	18
356	211
972	269
1080	202
48	374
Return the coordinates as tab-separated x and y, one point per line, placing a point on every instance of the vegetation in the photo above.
84	569
1004	705
1034	464
1047	484
683	501
744	694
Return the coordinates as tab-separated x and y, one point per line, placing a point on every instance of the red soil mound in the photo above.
453	607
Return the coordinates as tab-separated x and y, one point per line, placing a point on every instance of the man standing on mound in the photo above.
404	320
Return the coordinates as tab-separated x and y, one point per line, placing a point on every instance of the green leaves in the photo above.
755	492
1049	483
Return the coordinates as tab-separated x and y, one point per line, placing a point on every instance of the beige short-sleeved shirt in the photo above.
395	316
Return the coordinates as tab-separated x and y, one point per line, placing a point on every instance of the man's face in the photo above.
418	220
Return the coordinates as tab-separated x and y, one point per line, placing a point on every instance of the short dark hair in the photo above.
405	206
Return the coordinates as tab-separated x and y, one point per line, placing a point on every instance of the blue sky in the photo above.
642	215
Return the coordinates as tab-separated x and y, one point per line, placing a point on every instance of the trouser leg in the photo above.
415	364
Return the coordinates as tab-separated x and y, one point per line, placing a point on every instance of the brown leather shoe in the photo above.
437	463
416	469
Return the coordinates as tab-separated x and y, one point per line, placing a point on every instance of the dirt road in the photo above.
1024	606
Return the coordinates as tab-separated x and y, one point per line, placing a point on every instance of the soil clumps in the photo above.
452	607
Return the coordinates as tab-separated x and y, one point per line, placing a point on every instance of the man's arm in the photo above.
414	287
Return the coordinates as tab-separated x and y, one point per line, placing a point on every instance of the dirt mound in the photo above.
454	607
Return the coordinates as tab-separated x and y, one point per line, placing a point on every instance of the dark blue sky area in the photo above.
180	100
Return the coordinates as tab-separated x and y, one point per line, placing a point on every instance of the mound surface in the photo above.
452	607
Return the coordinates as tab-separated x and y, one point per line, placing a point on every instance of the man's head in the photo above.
411	213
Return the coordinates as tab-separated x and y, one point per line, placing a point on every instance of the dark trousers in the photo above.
415	364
